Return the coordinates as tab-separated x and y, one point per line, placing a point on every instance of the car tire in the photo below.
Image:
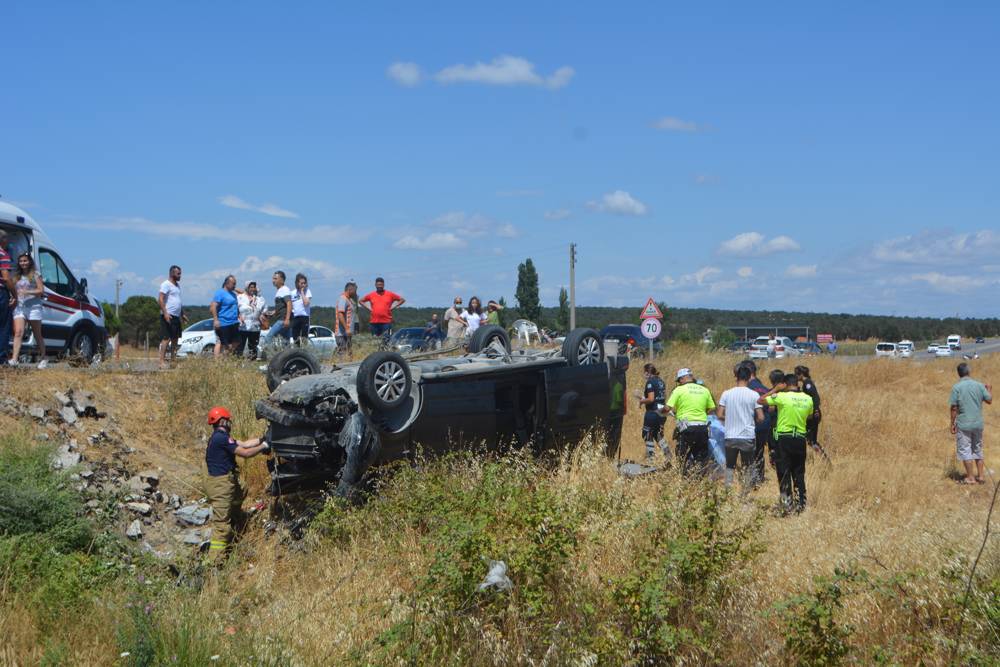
384	380
484	336
583	347
208	350
82	344
290	363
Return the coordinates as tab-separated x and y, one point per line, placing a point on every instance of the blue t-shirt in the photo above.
228	308
220	457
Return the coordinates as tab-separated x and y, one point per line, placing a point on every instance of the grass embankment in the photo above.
604	570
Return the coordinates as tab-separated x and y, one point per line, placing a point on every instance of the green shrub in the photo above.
813	634
37	501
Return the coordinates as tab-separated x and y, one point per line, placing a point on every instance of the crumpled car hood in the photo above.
304	390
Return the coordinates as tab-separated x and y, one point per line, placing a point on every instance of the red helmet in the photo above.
217	413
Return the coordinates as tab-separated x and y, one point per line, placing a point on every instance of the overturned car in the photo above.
330	428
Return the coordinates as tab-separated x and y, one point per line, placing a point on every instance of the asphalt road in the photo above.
989	347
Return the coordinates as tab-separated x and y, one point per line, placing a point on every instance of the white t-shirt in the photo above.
299	309
740	404
473	321
173	297
250	311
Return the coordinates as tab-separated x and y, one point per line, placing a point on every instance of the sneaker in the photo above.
44	363
12	363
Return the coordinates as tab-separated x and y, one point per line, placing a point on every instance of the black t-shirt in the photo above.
655	385
220	457
809	387
761	389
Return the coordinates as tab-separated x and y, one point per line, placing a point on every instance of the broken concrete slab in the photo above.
193	515
139	508
68	415
64	458
134	530
36	412
192	536
62	398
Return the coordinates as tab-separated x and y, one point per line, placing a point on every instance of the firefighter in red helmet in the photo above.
222	487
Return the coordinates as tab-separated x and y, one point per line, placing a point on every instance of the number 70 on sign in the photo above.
651	328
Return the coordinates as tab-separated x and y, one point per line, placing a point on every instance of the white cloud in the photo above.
935	248
755	244
801	271
504	71
460	285
232	201
675	124
318	235
433	241
405	74
103	267
507	231
949	284
744	272
619	202
558	214
706	179
702	276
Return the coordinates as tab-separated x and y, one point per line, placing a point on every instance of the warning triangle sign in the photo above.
651	310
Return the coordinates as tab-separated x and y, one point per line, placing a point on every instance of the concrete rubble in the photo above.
114	487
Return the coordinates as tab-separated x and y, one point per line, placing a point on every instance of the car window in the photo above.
55	275
204	325
320	332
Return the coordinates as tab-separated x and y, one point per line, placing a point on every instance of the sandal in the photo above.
969	481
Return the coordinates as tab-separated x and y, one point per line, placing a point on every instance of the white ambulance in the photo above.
72	320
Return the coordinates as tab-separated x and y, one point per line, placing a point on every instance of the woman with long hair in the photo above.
473	316
301	307
29	288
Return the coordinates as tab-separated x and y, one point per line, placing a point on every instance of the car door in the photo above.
59	304
456	414
577	398
322	339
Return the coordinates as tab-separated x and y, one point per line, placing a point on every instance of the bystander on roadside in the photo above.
454	322
381	303
251	306
171	314
7	298
301	309
225	311
281	316
739	412
345	317
967	398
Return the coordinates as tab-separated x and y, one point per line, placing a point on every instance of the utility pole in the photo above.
572	286
118	288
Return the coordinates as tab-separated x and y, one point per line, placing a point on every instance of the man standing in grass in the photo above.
171	314
381	303
789	453
762	431
967	398
739	411
690	404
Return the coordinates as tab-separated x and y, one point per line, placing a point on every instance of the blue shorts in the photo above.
381	329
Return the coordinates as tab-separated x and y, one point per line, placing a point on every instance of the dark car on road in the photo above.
980	340
808	347
415	339
630	339
330	428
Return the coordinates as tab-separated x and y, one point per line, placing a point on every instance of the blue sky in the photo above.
835	157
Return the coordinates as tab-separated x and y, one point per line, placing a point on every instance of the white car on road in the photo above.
944	351
765	347
199	338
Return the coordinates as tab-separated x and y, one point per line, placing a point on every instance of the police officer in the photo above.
654	398
690	403
222	487
789	453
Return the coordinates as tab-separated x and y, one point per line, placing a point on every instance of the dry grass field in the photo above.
605	570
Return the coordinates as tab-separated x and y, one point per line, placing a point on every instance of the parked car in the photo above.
884	349
765	347
739	347
630	339
329	428
413	339
199	338
322	342
980	340
72	320
809	348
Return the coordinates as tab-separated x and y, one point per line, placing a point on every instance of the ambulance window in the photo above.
55	275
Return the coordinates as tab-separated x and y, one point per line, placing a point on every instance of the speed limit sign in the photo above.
651	328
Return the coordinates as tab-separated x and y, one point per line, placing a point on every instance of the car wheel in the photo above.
208	350
82	344
583	347
291	363
384	380
485	336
